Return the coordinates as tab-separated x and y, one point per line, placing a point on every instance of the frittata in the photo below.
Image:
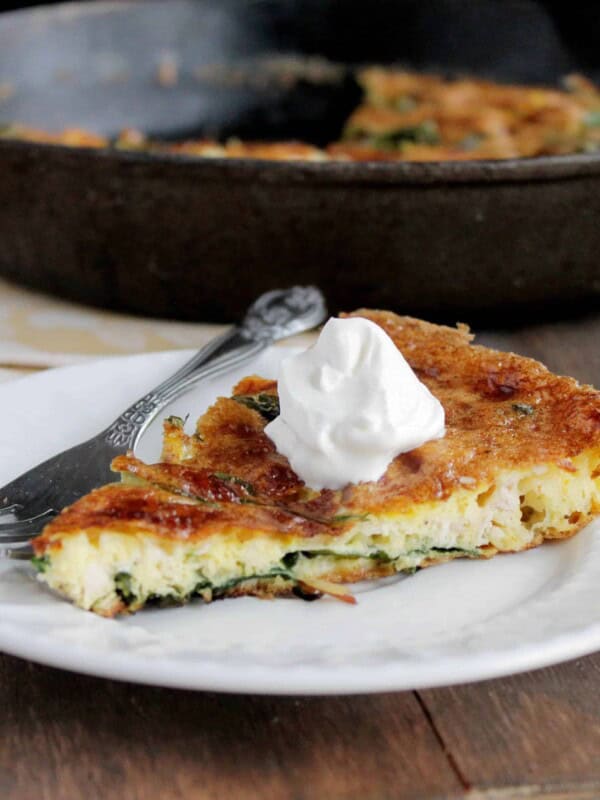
223	514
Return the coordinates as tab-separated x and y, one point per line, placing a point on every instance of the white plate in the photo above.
458	622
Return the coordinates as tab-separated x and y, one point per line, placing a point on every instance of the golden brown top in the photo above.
503	411
151	511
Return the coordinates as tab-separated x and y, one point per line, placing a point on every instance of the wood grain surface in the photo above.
536	735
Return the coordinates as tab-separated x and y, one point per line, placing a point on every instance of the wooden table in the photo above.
65	736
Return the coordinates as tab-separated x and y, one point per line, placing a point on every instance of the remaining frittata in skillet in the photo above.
223	514
407	116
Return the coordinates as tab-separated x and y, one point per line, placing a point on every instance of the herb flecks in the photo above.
290	560
267	405
340	519
425	133
592	119
176	422
123	587
405	103
273	574
224	476
41	563
524	409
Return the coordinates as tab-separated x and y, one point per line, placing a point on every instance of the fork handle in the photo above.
273	316
225	352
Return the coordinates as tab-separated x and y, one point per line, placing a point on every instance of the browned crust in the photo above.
115	610
503	412
148	511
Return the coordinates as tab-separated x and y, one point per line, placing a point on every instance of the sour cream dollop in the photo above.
349	405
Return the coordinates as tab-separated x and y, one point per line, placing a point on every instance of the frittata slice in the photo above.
224	514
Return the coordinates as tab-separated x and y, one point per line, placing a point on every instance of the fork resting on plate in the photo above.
30	501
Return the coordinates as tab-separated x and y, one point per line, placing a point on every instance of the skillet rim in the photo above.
393	173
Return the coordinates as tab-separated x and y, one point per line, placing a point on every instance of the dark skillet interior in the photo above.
268	69
253	68
238	71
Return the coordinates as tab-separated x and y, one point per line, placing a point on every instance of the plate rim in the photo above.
304	679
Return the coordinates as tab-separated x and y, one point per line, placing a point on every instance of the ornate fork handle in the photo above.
273	316
129	426
126	429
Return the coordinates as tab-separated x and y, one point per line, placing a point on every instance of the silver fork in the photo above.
34	498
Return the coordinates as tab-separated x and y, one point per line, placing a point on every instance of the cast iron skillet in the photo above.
199	239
